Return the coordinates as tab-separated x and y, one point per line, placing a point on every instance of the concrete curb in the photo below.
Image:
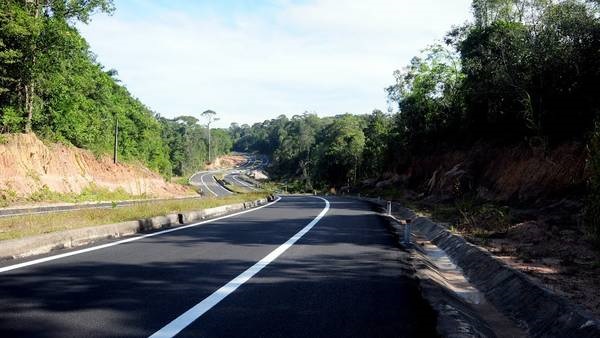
455	317
41	244
540	311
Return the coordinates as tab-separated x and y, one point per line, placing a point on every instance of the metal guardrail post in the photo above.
389	208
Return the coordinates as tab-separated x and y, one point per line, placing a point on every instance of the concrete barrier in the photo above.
41	244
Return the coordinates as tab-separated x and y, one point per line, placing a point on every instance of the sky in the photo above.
253	60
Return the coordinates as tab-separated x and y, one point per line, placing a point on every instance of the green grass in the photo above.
91	193
236	188
181	180
23	226
7	197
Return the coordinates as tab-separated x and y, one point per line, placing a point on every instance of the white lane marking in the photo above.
202	180
206	185
108	245
209	302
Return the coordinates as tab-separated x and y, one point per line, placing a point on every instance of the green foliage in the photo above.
340	149
91	193
10	120
592	209
310	152
50	83
377	144
7	196
429	99
187	143
526	69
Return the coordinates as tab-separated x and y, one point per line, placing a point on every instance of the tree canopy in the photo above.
51	83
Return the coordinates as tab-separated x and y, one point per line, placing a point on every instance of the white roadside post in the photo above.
407	232
389	208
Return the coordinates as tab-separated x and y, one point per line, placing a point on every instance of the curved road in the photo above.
207	182
237	179
299	267
209	185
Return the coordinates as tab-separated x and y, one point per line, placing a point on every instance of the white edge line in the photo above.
132	239
206	185
201	308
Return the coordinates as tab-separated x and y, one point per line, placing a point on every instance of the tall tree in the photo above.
34	29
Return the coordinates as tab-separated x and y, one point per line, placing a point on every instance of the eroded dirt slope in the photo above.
28	165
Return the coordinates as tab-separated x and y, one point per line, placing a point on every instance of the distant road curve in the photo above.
208	184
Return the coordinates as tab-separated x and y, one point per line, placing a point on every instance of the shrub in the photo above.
592	207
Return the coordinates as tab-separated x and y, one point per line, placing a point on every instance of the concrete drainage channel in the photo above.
477	295
41	244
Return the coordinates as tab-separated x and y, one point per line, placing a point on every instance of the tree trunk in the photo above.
30	87
29	91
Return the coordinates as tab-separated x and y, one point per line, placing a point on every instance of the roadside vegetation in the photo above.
91	193
52	84
522	74
30	225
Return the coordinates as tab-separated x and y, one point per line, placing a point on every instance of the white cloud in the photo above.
325	56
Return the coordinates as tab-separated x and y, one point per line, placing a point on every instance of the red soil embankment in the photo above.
518	174
28	165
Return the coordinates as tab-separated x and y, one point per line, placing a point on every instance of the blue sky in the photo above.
254	60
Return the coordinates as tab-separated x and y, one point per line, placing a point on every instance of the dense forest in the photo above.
520	72
51	84
523	71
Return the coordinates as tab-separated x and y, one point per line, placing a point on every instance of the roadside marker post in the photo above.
407	232
389	208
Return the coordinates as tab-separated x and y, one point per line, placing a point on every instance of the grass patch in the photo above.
7	196
91	193
181	180
236	188
30	225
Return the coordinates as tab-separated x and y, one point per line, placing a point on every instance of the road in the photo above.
299	267
209	185
240	181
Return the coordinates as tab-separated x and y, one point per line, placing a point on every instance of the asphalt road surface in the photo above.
240	181
209	185
299	267
207	182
